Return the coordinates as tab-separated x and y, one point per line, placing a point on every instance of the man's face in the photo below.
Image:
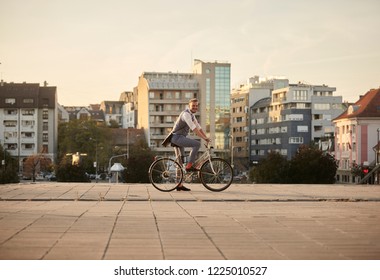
193	107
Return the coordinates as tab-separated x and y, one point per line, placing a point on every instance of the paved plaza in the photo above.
96	221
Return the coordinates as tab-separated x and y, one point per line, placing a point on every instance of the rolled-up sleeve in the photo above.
192	124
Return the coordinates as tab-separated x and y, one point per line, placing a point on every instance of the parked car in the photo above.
51	177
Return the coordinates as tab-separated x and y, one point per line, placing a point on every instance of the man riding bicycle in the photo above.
181	128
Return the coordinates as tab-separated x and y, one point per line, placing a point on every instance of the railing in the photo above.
367	177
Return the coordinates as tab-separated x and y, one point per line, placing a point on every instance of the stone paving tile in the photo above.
22	253
74	253
135	221
147	253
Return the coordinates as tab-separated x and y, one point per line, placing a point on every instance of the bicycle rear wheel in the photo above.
216	175
165	174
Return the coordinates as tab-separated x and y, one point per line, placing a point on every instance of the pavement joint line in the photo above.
63	234
113	230
158	231
204	232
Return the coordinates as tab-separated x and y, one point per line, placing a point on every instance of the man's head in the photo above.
193	105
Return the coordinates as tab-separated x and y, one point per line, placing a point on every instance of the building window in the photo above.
45	126
45	137
322	106
10	123
27	134
296	140
11	112
302	128
300	95
11	146
83	116
294	117
45	114
28	146
10	101
27	123
27	112
28	100
10	134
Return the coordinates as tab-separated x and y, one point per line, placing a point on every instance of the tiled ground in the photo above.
135	221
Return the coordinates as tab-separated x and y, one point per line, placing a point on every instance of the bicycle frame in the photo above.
206	156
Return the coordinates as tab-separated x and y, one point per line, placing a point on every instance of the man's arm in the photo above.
200	133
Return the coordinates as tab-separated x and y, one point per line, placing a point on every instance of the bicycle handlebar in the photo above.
209	146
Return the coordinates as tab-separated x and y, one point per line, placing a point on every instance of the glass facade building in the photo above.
215	100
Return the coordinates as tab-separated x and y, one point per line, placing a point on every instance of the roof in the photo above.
368	106
262	102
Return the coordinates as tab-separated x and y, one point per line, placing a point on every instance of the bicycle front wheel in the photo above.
165	174
216	175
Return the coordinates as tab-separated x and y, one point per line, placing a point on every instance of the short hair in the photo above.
193	100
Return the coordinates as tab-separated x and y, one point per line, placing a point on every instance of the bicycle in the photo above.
214	173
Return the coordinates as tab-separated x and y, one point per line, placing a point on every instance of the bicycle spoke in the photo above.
165	174
216	175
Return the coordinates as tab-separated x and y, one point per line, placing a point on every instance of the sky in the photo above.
93	50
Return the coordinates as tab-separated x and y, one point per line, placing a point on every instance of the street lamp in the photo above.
3	161
232	150
96	158
110	161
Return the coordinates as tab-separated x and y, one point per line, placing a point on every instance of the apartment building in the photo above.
91	112
357	136
129	109
292	116
161	97
240	128
28	119
242	98
113	111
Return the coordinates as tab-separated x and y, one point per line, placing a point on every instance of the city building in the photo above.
292	116
357	137
240	129
161	97
91	112
129	109
113	112
214	80
28	120
242	98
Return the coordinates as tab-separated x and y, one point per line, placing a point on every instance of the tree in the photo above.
311	166
141	157
84	136
9	168
67	172
36	163
308	166
113	124
272	169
